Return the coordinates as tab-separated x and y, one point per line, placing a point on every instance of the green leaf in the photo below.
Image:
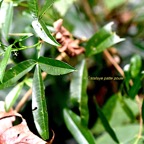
17	72
110	106
39	106
115	114
78	91
127	134
101	40
45	7
4	62
42	31
54	67
33	6
135	87
76	83
135	65
80	133
12	96
126	108
8	20
106	124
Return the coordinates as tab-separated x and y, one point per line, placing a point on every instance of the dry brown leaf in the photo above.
65	38
18	134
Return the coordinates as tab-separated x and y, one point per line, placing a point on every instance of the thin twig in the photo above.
140	119
89	13
20	34
113	62
29	92
23	100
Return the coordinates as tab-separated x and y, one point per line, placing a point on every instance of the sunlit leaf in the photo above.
76	84
8	20
4	62
101	40
79	132
12	96
54	67
135	65
106	124
39	106
45	7
42	31
78	90
33	6
17	72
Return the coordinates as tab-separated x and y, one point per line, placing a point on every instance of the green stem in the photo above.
38	50
26	47
23	5
23	48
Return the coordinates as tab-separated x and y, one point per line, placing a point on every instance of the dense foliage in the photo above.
74	67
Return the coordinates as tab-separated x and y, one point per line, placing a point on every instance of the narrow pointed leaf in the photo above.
76	82
79	132
33	6
126	108
4	62
39	106
42	31
106	124
110	106
45	7
12	96
8	20
101	40
54	67
17	72
135	87
84	112
78	90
